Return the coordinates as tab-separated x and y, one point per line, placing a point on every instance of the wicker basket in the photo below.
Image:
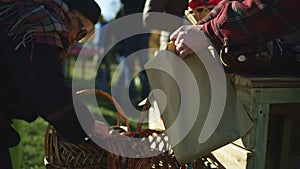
61	153
195	15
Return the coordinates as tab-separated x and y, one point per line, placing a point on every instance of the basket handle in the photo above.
107	96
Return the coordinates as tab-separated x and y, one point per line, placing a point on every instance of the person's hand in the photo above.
187	34
100	130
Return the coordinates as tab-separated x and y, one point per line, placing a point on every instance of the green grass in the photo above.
33	144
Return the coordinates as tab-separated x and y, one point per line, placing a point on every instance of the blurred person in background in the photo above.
102	40
127	47
175	8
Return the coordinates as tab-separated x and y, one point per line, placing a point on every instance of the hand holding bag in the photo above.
193	129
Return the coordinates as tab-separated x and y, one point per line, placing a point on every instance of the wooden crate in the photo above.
273	103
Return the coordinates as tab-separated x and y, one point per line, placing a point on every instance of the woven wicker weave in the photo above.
195	15
61	153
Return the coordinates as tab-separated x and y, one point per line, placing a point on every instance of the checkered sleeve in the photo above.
251	21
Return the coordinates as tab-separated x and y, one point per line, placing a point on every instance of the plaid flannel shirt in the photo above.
244	22
40	21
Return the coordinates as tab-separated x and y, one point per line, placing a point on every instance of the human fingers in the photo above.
182	49
179	45
174	35
183	53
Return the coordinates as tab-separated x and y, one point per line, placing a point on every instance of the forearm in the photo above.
251	22
69	116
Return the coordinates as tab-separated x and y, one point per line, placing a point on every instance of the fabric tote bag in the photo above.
198	104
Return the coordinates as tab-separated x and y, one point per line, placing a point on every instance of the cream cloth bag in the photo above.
200	110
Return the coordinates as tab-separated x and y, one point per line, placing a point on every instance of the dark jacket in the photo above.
171	7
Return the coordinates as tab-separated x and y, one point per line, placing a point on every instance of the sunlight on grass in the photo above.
32	144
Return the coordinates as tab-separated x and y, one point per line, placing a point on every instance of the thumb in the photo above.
174	35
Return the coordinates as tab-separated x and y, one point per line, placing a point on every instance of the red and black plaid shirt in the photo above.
241	22
39	21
